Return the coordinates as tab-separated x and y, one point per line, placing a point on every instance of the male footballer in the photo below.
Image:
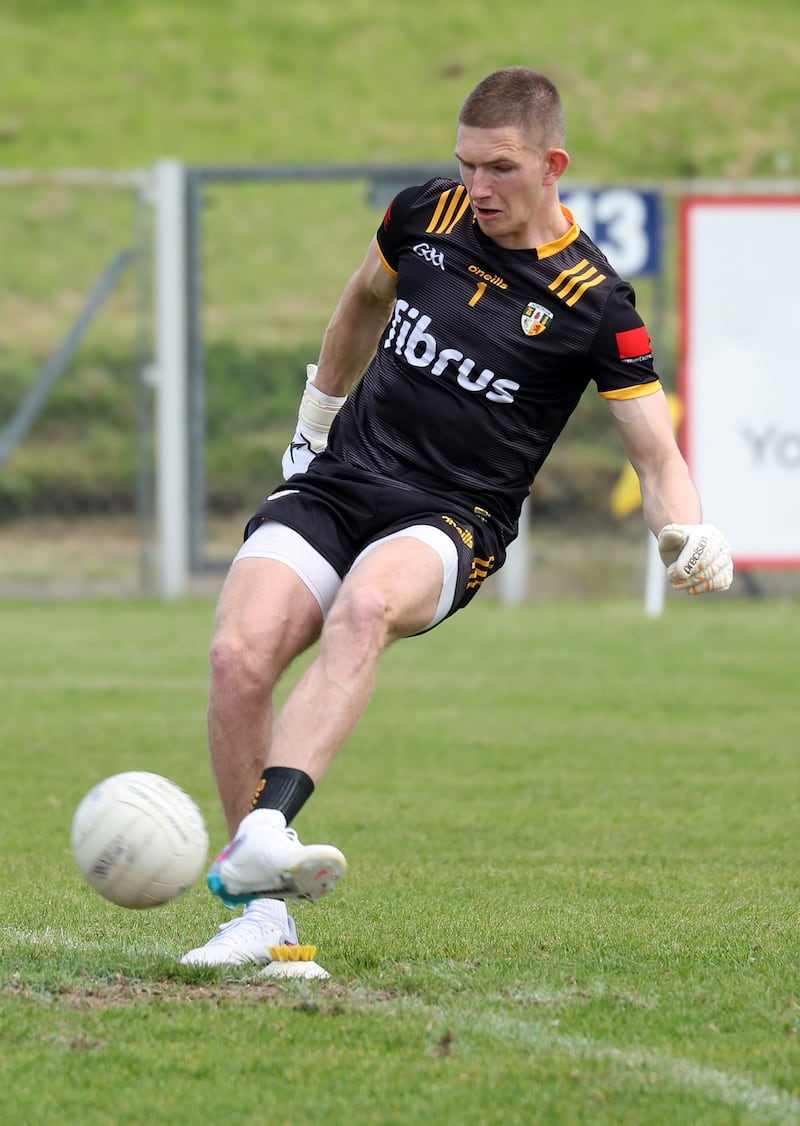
458	351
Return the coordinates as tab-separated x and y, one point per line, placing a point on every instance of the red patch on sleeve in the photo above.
635	342
387	217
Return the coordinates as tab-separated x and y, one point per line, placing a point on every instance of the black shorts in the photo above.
339	511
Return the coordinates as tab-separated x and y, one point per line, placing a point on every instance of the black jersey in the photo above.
486	355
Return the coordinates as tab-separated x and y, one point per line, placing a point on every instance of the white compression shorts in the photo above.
272	540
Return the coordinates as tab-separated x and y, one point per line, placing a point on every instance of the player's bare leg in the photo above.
251	648
265	618
392	593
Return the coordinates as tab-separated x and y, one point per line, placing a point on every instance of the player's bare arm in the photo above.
355	328
348	345
668	493
697	556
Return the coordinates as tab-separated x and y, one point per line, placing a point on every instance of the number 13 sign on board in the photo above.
624	222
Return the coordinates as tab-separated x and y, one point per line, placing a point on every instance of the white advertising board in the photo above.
740	370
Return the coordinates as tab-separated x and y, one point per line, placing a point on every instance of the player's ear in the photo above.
556	163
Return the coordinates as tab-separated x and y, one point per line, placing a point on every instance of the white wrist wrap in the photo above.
317	412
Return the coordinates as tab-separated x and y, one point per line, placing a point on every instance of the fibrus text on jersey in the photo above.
408	334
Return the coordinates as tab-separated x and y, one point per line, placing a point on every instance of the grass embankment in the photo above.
666	94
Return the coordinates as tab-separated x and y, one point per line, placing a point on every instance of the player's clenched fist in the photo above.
697	557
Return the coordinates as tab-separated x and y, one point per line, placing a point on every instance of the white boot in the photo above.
265	858
265	923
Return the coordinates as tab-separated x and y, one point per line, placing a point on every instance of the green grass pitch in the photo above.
572	897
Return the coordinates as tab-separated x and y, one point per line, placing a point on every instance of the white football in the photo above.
139	839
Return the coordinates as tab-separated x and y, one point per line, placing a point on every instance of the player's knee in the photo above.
362	613
237	664
226	656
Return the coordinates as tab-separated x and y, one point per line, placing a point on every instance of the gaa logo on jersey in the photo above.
535	319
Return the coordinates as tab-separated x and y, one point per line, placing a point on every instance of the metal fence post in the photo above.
169	196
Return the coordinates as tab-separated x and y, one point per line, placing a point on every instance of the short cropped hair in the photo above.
519	97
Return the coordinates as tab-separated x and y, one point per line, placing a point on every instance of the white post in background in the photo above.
656	580
512	579
172	485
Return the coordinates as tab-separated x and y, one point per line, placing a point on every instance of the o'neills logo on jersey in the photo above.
495	279
535	319
409	337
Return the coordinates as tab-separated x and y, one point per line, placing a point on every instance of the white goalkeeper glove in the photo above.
317	412
697	557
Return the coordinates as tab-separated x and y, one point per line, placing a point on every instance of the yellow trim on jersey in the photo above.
569	278
548	249
447	211
637	392
448	218
437	214
579	292
459	214
389	269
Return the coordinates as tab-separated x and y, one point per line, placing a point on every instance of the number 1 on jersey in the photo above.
479	292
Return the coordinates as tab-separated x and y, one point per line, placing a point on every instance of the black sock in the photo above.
283	788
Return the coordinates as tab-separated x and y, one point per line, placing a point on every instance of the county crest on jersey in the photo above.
535	319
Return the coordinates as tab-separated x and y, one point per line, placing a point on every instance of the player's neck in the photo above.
549	225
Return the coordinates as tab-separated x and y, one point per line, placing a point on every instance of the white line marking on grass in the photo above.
52	939
733	1090
578	994
768	1103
